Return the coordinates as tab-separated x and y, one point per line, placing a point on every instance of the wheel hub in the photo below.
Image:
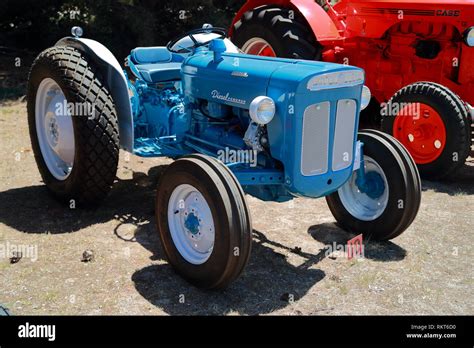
54	129
366	197
423	134
372	185
191	224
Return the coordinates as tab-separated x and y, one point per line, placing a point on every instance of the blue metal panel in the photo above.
251	176
235	80
285	138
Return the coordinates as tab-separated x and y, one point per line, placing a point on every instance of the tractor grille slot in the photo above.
344	134
315	140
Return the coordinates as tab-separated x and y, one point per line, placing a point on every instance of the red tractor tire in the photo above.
276	32
433	123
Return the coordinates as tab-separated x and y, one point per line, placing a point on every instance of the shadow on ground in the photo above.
269	283
266	284
329	233
460	183
33	210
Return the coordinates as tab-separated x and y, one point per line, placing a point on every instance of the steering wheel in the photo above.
221	31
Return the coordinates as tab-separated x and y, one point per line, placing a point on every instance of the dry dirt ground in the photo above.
427	270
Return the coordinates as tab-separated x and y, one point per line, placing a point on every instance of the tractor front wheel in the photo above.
382	200
433	123
203	221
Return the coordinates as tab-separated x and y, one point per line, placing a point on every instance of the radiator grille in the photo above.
315	137
344	134
315	142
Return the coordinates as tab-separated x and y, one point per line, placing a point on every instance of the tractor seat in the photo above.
157	64
160	72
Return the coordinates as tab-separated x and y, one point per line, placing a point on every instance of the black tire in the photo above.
230	214
414	180
455	117
289	35
404	191
226	174
96	138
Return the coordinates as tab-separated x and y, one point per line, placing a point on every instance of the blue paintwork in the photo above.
371	183
206	111
288	148
217	47
192	223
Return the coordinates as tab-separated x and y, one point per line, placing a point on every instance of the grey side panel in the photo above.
344	134
315	142
115	80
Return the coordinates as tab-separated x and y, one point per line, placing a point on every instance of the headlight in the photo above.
469	36
365	98
336	79
262	110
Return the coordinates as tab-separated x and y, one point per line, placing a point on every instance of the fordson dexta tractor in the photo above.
270	127
417	55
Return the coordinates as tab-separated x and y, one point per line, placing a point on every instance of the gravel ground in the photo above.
427	270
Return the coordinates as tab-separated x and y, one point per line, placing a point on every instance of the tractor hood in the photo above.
236	79
317	107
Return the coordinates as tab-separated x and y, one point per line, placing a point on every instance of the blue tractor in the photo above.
236	124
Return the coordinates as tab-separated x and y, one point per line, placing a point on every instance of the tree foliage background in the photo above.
119	24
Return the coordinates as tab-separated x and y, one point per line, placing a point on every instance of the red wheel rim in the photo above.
421	130
259	47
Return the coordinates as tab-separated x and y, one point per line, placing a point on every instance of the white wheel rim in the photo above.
256	46
359	204
191	224
54	129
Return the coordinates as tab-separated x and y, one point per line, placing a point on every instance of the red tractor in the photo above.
418	56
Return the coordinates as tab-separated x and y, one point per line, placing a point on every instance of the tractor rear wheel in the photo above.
433	123
73	126
276	32
203	221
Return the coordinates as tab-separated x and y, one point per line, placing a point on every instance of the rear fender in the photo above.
115	81
322	25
